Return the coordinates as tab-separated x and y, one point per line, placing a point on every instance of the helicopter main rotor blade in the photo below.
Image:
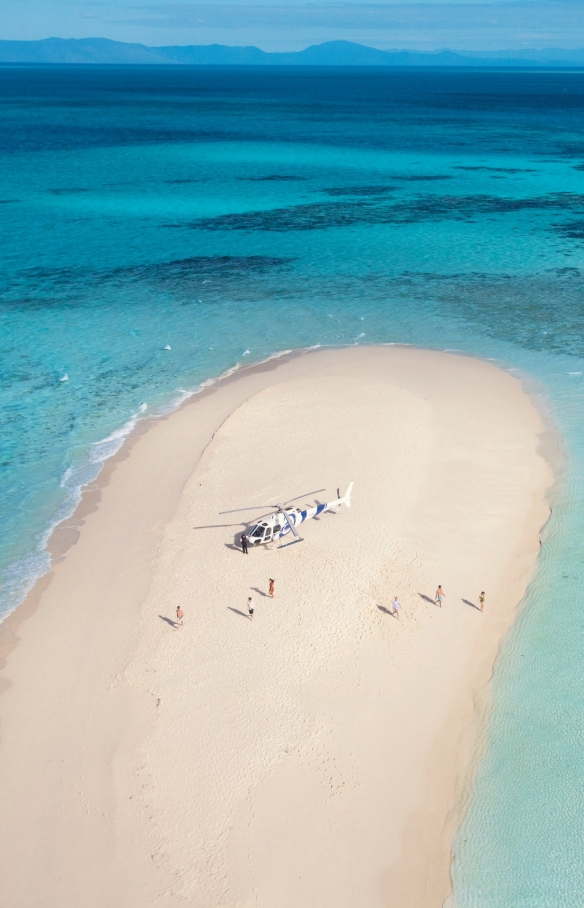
289	522
268	507
306	495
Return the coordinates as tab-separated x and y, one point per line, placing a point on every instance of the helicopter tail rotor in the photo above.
347	496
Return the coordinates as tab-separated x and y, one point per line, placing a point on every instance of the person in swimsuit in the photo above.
250	608
271	588
482	601
439	595
179	616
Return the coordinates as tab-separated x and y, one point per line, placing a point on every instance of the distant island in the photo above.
332	53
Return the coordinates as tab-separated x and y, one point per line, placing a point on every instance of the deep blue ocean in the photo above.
231	214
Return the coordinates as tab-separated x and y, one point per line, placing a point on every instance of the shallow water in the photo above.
232	214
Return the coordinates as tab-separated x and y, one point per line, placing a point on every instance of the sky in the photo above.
295	24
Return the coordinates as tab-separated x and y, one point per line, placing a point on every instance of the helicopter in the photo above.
284	520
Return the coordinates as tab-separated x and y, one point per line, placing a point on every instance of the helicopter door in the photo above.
268	534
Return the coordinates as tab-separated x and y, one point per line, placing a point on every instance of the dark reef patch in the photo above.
202	266
421	177
479	167
571	230
70	285
73	190
276	178
194	281
357	190
323	215
195	265
541	311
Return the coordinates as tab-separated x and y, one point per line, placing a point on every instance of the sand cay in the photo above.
321	754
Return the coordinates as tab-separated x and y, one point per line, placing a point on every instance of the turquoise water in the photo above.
233	214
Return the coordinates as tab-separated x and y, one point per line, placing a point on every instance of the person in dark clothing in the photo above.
244	543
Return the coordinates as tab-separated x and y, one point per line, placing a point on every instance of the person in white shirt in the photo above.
395	605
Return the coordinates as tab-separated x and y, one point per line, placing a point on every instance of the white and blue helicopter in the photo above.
284	520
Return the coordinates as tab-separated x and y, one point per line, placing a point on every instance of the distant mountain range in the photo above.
332	53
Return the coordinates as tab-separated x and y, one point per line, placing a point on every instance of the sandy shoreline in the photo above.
320	755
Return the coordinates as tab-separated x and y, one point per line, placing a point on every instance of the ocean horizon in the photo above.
163	226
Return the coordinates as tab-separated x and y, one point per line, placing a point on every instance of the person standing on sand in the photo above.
244	543
179	616
439	595
482	601
395	605
250	608
271	588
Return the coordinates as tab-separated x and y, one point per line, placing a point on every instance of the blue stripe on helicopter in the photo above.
319	510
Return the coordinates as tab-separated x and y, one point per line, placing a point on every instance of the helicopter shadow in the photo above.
327	514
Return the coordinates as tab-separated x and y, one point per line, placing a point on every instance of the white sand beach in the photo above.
320	755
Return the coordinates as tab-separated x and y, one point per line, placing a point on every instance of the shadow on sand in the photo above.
168	621
237	612
427	599
382	608
217	526
257	590
472	604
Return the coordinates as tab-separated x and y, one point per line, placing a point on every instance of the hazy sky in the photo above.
294	24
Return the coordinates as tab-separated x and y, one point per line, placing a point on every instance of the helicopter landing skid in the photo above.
293	542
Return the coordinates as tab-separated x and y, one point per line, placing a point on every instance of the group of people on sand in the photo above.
396	604
250	605
439	596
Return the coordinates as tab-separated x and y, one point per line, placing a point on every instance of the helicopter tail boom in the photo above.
346	499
